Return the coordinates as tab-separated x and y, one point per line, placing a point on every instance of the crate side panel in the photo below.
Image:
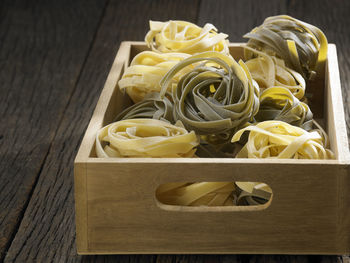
343	211
335	112
81	215
124	217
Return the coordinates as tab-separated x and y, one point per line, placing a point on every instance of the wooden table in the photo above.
54	59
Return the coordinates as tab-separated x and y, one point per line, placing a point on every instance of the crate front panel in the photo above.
123	215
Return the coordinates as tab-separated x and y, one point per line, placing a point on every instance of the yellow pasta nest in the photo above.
182	36
270	71
145	72
302	46
145	138
277	139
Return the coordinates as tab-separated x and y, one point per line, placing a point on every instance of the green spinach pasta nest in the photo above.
302	46
278	103
217	96
151	107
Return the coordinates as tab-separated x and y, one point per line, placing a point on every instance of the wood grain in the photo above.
47	231
130	221
42	50
236	18
246	259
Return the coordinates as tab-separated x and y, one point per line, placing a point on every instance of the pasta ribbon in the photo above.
270	71
197	194
253	193
145	138
152	107
185	37
214	193
145	72
278	103
277	139
302	46
216	96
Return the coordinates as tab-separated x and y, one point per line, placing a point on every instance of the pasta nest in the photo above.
145	138
182	36
217	96
278	103
145	72
151	107
302	46
270	71
277	139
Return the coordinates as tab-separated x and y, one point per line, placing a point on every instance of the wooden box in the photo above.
309	213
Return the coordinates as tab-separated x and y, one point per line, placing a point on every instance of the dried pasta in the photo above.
214	193
253	193
215	97
302	46
270	71
278	103
152	107
277	139
190	78
196	194
145	72
145	138
185	37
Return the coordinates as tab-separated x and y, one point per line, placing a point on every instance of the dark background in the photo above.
54	60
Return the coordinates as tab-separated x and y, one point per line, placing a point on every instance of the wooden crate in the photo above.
117	211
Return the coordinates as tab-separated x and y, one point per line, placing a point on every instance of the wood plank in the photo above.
246	258
42	50
47	231
115	228
113	259
236	18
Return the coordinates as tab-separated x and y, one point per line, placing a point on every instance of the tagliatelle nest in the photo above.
145	138
302	46
270	71
151	107
217	96
146	71
278	103
277	139
182	36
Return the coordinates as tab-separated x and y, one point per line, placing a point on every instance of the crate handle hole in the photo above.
214	196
